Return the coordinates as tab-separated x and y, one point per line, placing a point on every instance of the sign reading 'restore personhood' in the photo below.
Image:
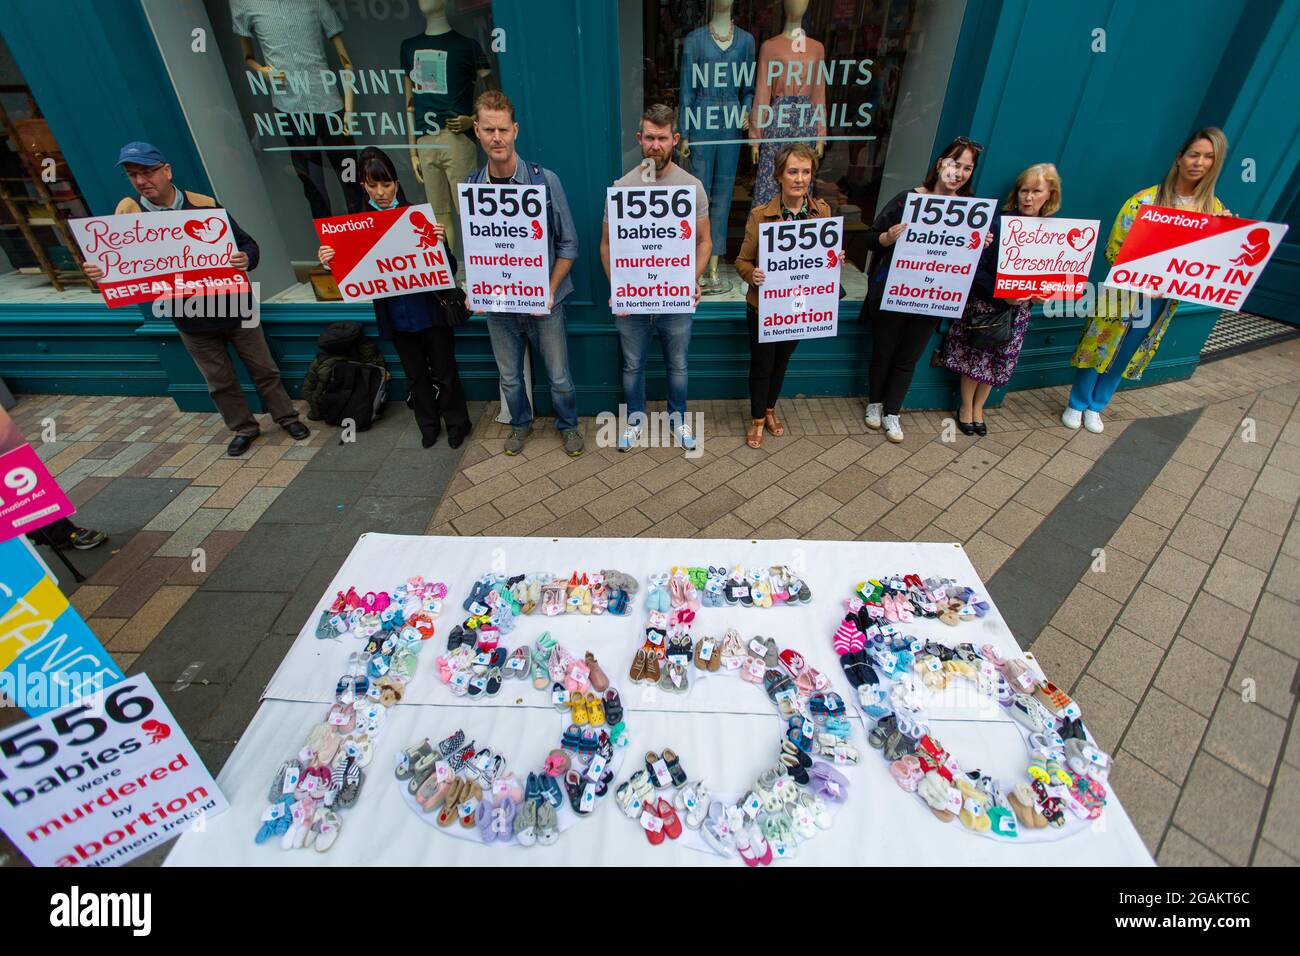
151	255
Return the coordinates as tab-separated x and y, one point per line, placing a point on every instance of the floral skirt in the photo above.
990	366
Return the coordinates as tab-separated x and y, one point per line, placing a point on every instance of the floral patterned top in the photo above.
1103	333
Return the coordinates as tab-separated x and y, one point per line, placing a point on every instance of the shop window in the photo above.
311	83
860	80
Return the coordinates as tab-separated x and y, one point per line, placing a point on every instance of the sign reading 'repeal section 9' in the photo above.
146	256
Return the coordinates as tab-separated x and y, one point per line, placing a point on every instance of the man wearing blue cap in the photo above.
208	338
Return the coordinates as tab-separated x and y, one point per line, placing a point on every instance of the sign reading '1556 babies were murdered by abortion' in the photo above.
506	267
935	257
386	252
800	295
652	248
150	255
103	780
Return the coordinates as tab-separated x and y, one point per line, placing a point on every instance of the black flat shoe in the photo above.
980	429
966	428
428	442
239	444
297	431
456	439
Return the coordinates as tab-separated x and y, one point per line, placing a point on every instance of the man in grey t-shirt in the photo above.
658	137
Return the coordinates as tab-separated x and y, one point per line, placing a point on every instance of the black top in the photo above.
244	243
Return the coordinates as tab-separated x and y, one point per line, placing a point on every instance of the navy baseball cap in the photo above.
142	154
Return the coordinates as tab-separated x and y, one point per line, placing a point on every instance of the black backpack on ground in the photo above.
348	380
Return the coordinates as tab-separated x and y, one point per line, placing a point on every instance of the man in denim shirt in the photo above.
494	123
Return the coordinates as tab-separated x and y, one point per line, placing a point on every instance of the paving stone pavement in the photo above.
1154	569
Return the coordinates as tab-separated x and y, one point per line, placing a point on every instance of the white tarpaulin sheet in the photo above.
725	730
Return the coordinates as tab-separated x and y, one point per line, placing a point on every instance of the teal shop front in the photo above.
1107	91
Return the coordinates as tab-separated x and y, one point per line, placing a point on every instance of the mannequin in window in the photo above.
442	68
292	39
790	100
714	106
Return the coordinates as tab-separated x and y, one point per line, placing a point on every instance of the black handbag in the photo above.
454	308
988	324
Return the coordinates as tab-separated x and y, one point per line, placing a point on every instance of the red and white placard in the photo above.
1194	256
151	255
386	252
1043	257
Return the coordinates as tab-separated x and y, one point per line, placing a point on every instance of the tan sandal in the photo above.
773	424
754	434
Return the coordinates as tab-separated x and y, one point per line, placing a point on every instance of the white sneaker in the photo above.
684	435
630	438
893	428
1092	422
872	417
1072	418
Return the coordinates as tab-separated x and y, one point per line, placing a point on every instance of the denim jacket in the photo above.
734	95
561	233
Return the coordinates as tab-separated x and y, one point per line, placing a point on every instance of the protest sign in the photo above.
935	257
1194	256
386	252
506	260
146	256
48	656
800	295
1046	258
652	248
102	781
29	497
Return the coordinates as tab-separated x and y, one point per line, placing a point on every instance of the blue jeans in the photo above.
674	332
1093	390
715	168
548	337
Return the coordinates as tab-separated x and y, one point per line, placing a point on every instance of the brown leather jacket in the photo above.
747	260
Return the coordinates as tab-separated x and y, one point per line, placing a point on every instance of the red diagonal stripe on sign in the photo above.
353	245
1149	236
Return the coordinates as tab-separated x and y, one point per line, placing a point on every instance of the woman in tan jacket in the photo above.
795	166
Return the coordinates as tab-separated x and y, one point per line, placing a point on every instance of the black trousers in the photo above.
429	360
897	341
309	166
767	363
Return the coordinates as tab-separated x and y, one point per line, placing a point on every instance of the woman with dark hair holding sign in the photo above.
983	345
416	322
1113	347
794	169
899	338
